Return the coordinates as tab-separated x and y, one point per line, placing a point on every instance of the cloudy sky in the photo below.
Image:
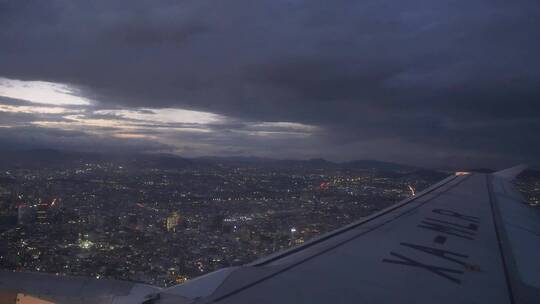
433	83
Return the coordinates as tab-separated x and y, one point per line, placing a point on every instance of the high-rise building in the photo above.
42	213
293	236
172	221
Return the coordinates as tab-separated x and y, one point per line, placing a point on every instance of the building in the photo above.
172	221
42	213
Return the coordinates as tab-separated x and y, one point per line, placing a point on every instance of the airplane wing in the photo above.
468	239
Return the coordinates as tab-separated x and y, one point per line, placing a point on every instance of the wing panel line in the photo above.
496	222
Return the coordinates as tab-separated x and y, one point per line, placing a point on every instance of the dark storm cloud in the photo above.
459	76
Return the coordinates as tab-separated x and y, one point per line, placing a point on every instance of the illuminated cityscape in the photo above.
164	223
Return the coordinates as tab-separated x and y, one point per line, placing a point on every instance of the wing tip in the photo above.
512	172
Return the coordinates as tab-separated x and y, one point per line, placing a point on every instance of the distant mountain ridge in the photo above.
380	165
314	162
51	157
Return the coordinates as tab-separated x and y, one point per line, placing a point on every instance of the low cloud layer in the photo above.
431	83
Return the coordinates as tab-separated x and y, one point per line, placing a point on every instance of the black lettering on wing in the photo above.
444	254
449	230
440	271
471	226
454	214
